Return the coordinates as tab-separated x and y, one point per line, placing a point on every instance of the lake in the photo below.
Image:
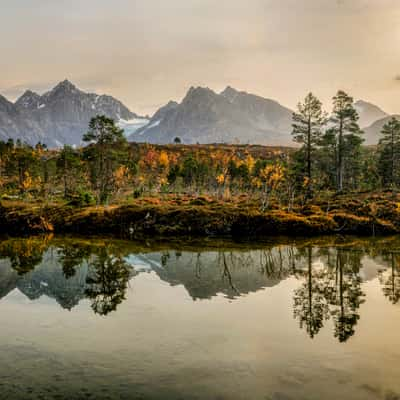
283	319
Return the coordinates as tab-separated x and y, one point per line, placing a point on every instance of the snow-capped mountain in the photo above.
60	116
232	116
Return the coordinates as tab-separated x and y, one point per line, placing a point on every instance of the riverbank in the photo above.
169	216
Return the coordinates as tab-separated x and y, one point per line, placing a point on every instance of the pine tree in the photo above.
389	155
308	123
107	151
346	130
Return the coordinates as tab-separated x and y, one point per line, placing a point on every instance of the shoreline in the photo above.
202	217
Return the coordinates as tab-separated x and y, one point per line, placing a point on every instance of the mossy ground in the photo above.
169	216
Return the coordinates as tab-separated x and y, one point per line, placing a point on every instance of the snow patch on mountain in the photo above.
132	125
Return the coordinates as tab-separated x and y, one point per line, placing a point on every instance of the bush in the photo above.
82	199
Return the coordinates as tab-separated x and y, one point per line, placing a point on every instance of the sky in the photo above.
147	52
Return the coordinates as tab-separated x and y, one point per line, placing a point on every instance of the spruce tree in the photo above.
308	123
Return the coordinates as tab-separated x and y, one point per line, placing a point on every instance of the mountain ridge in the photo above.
57	117
61	116
204	116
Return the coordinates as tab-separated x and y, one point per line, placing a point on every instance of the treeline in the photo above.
331	159
332	156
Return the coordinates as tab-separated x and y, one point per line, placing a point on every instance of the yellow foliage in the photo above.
163	181
256	182
220	179
163	159
272	175
27	181
30	183
250	163
121	175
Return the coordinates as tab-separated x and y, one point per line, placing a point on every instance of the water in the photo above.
105	319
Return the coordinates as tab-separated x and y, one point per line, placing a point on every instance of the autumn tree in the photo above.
346	132
308	123
105	153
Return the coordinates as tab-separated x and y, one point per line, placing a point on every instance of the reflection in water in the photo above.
390	278
107	282
196	322
332	289
310	303
329	278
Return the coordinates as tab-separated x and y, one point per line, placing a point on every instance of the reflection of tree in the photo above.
310	305
24	254
390	280
72	255
344	293
107	282
226	274
331	290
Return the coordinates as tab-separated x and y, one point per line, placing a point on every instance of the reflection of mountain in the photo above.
48	279
329	278
207	274
8	278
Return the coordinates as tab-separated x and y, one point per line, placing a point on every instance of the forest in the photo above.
327	170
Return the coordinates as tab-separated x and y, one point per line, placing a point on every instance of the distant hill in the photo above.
372	134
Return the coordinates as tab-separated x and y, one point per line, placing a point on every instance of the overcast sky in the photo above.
146	52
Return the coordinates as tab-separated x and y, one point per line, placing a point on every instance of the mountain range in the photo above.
61	116
207	117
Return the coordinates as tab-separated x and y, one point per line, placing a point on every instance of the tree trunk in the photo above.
309	177
340	159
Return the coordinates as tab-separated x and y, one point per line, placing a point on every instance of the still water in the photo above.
104	319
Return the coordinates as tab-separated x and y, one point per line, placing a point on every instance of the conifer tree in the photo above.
107	151
346	130
308	123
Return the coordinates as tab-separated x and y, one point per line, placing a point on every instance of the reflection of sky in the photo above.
160	341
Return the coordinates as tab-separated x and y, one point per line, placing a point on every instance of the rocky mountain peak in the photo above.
60	116
229	93
66	85
28	100
198	93
5	105
63	89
